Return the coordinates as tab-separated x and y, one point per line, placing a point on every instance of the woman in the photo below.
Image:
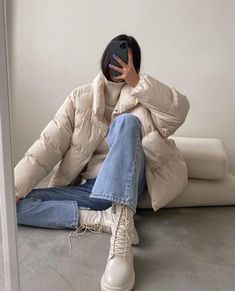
112	133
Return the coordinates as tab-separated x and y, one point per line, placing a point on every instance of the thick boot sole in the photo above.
105	287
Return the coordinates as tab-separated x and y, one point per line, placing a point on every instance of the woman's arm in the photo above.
168	107
45	152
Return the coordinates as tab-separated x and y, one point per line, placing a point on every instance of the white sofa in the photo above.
210	183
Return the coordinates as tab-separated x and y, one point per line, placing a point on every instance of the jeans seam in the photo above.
130	177
76	215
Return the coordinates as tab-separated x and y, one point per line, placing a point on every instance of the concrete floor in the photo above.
181	249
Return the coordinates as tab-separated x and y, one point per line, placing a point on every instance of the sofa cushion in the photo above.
205	157
200	192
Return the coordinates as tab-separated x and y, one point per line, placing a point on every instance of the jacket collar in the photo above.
125	101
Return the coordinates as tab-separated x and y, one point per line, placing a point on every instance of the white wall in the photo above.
56	45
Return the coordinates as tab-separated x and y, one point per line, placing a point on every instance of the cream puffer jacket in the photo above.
79	126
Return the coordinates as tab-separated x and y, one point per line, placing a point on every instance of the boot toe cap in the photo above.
119	275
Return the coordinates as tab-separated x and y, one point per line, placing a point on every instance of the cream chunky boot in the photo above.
119	273
98	221
94	220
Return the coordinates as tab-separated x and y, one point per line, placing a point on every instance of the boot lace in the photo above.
81	230
120	240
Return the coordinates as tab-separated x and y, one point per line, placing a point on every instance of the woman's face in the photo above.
110	70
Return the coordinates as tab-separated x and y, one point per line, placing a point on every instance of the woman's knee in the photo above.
129	119
125	126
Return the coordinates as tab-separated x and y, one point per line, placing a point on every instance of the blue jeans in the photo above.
121	179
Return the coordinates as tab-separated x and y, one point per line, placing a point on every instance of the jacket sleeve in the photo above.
167	106
43	155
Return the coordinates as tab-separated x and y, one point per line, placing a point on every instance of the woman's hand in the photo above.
128	70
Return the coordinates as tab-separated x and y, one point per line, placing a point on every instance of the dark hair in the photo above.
132	43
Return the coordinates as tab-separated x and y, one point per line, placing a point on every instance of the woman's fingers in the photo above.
120	61
127	71
130	57
119	78
116	68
